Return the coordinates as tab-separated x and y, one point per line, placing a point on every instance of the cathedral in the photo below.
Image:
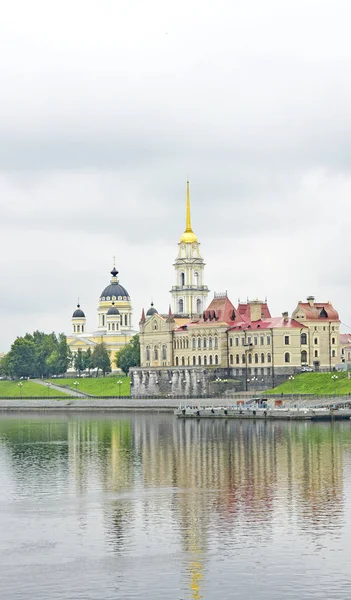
114	327
197	342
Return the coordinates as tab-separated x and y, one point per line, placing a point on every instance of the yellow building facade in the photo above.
114	322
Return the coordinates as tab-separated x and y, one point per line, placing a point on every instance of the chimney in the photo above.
255	310
285	316
310	300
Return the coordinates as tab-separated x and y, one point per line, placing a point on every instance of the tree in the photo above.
87	360
38	355
78	361
22	358
100	359
129	356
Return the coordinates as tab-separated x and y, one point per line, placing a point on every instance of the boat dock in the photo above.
268	414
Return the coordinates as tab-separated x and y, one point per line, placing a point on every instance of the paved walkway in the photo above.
60	388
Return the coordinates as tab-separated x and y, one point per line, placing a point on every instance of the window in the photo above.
198	305
268	340
181	305
211	359
210	343
205	361
249	339
194	360
164	352
154	324
183	361
216	342
205	343
103	320
286	340
113	326
333	328
216	359
303	356
231	359
333	340
237	359
250	359
187	343
237	341
333	353
109	326
231	342
255	341
315	341
243	359
182	279
316	353
242	341
199	361
262	358
155	353
177	361
262	340
269	357
287	357
194	343
199	342
78	328
147	353
196	280
74	328
303	338
126	319
256	358
82	328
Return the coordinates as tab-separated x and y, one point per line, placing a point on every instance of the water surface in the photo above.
146	506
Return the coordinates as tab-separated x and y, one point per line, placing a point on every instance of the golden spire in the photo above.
188	236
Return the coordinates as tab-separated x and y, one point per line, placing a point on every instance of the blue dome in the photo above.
151	310
113	310
78	313
114	291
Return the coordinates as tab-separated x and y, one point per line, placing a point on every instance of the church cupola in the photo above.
78	320
189	295
118	295
152	310
113	319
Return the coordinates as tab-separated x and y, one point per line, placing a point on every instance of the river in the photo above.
143	506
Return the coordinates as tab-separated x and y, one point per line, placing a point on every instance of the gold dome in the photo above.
188	236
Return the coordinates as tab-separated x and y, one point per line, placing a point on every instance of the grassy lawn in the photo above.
11	389
315	383
97	386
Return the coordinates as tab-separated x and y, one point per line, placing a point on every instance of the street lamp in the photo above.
119	383
291	379
20	387
334	378
76	383
49	387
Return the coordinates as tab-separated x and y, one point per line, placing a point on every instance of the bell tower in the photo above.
189	295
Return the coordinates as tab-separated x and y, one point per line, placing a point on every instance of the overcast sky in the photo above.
108	107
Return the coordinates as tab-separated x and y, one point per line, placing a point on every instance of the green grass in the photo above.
11	389
315	383
97	386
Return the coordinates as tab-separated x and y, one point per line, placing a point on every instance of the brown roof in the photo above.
319	311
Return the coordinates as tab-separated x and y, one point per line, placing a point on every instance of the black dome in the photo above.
151	310
78	313
113	310
114	290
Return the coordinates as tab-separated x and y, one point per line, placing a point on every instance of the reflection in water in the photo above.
177	503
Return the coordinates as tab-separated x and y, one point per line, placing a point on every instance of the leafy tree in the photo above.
129	356
38	355
87	360
100	359
78	361
22	358
5	366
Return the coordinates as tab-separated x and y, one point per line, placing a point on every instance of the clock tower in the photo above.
189	295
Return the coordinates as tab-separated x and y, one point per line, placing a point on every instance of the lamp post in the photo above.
75	383
119	383
49	387
291	379
20	387
334	378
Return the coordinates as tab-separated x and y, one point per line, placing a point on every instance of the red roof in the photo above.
244	310
319	311
272	323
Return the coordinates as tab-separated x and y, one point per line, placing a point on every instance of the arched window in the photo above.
109	326
262	358
74	328
181	305
316	341
147	353
182	279
231	359
243	359
82	328
187	343
78	328
210	359
316	353
256	358
205	343
198	306
216	359
154	324
199	360
155	353
303	338
113	326
196	279
205	360
333	340
333	353
177	361
103	320
194	360
287	357
164	352
216	342
303	356
210	343
174	344
183	361
269	357
250	359
237	359
261	340
194	343
126	319
199	342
